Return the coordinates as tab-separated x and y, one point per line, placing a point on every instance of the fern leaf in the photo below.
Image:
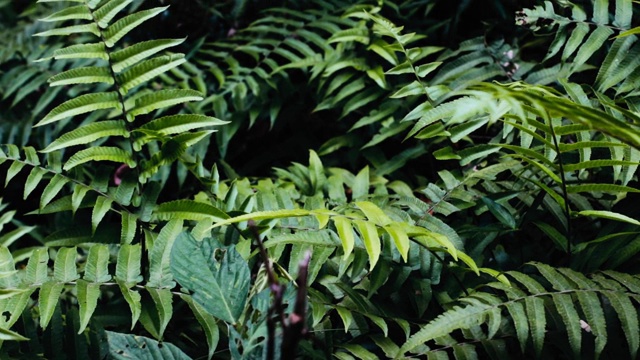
623	14
628	316
79	192
163	299
160	255
64	269
147	70
133	54
575	40
122	27
52	189
164	98
36	272
128	264
188	210
207	322
566	309
88	294
345	232
128	228
109	10
617	53
69	30
83	75
100	153
102	206
14	170
451	320
48	299
78	12
520	322
34	178
601	12
96	270
537	322
371	240
81	105
593	43
88	133
605	188
134	299
82	51
400	238
262	215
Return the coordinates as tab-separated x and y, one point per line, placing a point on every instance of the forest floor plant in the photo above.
465	201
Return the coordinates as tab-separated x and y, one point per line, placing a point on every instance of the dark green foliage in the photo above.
457	181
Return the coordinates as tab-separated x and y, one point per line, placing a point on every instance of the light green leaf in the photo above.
8	335
134	299
64	269
82	51
78	12
88	294
82	75
128	228
360	186
160	255
96	270
81	105
400	238
48	299
345	232
163	299
608	215
147	70
108	11
374	213
100	153
122	27
36	272
187	210
371	240
131	55
128	265
69	30
263	215
89	133
33	180
165	98
102	206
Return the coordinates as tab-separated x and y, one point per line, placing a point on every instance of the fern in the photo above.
531	304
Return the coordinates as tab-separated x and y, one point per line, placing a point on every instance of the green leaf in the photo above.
147	70
360	186
371	240
14	170
100	153
78	12
263	215
159	256
500	212
96	270
82	75
89	133
48	299
36	272
219	286
400	238
52	189
64	269
128	346
207	321
608	215
628	316
188	210
102	206
8	335
374	213
34	178
82	51
134	299
131	55
122	27
165	98
81	105
128	228
128	264
163	299
345	232
69	30
88	294
108	11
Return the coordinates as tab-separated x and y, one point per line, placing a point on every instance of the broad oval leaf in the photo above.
219	286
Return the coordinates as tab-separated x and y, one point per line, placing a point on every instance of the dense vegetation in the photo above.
319	178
